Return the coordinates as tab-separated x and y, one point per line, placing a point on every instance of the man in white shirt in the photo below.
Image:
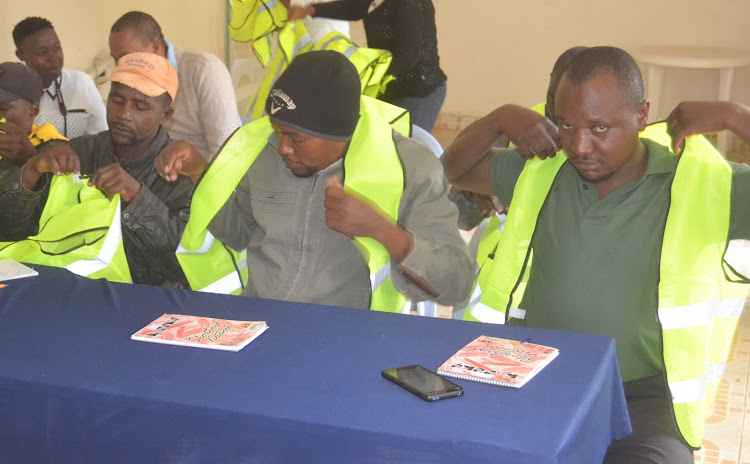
70	101
205	110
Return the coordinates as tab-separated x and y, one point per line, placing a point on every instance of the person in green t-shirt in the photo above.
598	236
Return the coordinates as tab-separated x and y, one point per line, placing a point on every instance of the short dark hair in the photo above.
594	61
29	26
143	25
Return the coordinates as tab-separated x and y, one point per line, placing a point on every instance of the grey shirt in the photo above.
294	256
595	265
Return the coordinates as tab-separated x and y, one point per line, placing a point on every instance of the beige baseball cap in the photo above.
147	73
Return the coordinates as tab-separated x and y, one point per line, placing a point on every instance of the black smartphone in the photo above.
423	382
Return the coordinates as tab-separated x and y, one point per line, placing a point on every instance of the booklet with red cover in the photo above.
498	361
203	332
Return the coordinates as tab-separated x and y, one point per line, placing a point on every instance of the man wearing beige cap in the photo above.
121	161
205	112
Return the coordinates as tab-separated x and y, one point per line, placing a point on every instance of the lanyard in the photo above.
60	103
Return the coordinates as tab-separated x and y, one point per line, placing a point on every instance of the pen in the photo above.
3	285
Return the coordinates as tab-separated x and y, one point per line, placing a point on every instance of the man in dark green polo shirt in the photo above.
599	234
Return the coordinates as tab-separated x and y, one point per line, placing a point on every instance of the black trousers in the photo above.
655	438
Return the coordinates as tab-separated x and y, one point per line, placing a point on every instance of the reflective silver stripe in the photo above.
484	313
208	241
350	51
502	218
242	262
300	44
225	285
680	317
328	42
730	307
86	267
270	3
476	295
267	38
379	276
517	313
688	391
714	371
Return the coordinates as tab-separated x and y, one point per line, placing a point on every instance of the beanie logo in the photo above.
288	102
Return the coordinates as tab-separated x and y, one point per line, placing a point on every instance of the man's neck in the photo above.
130	153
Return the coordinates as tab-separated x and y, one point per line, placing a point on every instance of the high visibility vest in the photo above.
487	250
698	306
372	64
254	21
79	230
212	266
293	39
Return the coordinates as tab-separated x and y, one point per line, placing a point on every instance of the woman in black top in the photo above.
407	29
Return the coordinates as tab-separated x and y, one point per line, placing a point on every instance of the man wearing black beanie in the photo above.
316	191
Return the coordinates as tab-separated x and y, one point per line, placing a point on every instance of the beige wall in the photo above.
83	25
493	51
498	52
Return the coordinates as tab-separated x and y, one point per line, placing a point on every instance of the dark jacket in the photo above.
151	225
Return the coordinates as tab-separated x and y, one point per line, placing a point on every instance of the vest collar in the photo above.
660	159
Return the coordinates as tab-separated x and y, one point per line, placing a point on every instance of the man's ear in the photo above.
168	111
156	48
19	55
642	114
33	110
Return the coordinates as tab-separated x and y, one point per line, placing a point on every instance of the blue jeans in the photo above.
424	110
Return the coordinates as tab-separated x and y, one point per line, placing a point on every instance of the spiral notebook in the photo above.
202	332
11	269
498	361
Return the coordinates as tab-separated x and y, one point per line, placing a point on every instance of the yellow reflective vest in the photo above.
371	63
79	230
212	266
293	40
254	21
486	250
698	306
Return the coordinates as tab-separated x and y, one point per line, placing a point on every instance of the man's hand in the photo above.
180	158
532	133
488	204
113	179
701	117
356	218
15	145
347	214
60	160
300	12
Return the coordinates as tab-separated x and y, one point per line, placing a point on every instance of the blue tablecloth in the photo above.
75	388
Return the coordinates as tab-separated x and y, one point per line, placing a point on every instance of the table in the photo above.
724	59
75	388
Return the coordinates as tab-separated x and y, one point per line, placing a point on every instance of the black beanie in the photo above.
318	94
